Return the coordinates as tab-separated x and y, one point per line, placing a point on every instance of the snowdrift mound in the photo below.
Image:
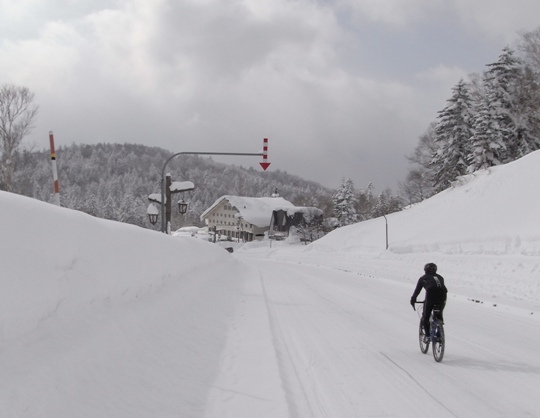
60	262
490	212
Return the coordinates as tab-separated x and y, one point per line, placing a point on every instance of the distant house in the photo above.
242	218
308	222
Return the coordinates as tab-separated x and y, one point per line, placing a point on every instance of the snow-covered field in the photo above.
102	319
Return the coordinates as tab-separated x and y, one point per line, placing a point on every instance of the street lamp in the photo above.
182	207
153	213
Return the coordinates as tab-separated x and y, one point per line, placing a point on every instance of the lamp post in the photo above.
170	188
386	221
239	228
163	185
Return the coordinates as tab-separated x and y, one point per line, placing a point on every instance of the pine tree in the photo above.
365	203
453	133
487	140
386	204
501	81
526	117
344	203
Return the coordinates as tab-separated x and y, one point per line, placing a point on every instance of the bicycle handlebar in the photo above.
421	302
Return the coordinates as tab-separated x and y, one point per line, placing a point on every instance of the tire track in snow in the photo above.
419	384
287	362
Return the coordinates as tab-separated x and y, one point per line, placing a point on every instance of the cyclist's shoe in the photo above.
426	339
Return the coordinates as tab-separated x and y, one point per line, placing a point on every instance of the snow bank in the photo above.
493	212
57	261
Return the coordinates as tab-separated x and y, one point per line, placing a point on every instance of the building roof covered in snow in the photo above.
255	210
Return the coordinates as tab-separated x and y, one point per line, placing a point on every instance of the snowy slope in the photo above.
490	212
483	233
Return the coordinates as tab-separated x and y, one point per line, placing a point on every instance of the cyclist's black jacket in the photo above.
435	289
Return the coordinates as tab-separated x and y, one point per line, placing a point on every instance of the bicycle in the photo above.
436	331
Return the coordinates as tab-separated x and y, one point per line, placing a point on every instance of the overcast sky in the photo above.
342	88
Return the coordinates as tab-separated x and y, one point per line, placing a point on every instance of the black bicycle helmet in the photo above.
430	268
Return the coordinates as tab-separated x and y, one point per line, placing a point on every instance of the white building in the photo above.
242	218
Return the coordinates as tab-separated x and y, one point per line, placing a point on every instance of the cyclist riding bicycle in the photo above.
436	292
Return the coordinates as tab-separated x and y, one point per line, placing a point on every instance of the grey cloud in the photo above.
336	99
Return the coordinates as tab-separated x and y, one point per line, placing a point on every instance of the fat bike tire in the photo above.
424	346
438	344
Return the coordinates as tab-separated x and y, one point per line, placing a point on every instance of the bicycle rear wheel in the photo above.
438	342
424	346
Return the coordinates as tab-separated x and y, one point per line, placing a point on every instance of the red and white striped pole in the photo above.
55	172
265	164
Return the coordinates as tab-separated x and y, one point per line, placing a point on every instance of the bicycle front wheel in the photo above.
438	343
424	346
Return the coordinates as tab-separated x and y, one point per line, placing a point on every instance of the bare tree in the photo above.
530	48
17	114
426	148
420	179
417	186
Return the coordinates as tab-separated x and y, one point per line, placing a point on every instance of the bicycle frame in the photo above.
436	337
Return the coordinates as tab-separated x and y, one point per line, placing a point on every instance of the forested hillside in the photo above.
113	181
491	119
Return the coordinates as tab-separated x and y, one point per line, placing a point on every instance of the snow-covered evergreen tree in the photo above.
380	208
385	204
365	201
526	118
501	81
453	134
487	140
344	203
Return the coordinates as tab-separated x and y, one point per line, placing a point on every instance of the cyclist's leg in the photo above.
443	304
428	307
439	306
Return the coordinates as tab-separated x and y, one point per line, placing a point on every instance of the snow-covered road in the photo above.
340	345
269	337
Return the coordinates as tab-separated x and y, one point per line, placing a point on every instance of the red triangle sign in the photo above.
264	165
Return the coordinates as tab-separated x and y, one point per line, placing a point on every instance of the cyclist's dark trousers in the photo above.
429	304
